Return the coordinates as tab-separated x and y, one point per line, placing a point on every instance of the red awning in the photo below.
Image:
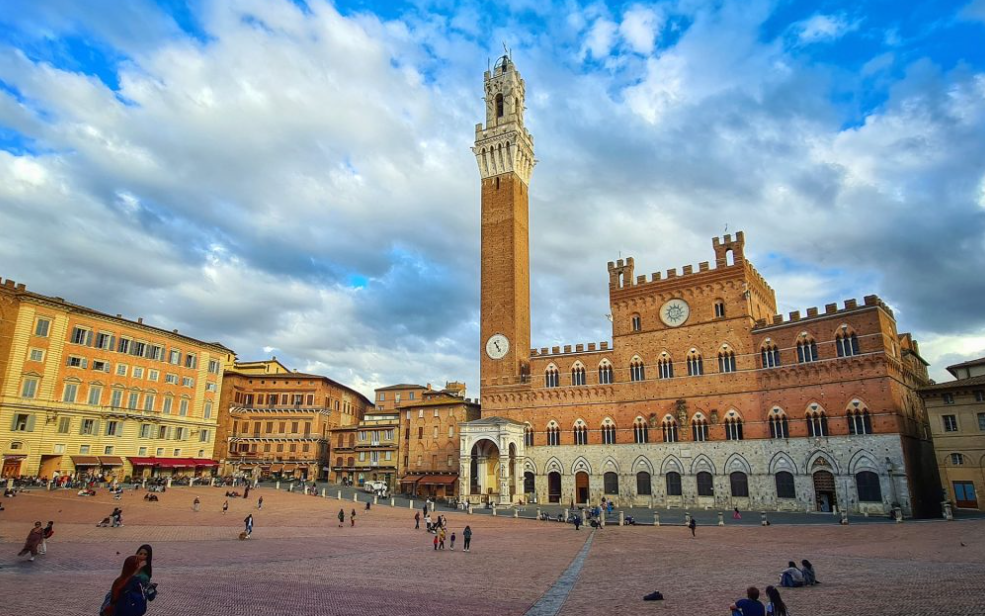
13	456
135	461
439	480
411	479
172	462
205	462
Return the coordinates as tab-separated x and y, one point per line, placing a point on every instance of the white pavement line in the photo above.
551	602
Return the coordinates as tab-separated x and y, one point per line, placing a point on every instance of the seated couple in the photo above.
792	577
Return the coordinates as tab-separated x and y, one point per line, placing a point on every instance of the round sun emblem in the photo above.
675	312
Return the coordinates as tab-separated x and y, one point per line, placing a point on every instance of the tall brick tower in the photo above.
505	154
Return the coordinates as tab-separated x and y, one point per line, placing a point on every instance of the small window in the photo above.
950	423
695	365
733	429
981	422
37	355
121	369
948	398
608	434
64	425
670	431
23	423
41	328
610	483
605	374
581	435
779	427
859	422
980	395
83	449
785	485
528	436
641	432
806	351
499	105
665	368
957	459
637	372
719	309
123	346
770	356
869	490
183	408
643	485
577	376
726	361
637	323
847	345
30	388
70	393
739	483
817	424
553	436
80	335
551	377
699	430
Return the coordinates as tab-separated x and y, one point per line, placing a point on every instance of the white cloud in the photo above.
639	28
600	39
822	28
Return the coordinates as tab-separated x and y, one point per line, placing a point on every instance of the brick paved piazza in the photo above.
300	562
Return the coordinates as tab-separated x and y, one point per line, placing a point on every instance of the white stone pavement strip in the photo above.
552	600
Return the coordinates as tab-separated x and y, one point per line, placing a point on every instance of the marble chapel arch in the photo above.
706	397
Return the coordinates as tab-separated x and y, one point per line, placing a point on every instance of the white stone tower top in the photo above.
504	145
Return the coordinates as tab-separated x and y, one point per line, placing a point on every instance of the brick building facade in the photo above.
705	398
83	392
277	423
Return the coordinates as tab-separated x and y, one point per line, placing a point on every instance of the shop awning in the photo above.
205	462
13	456
288	468
85	460
275	468
439	480
175	463
110	461
411	479
135	461
165	462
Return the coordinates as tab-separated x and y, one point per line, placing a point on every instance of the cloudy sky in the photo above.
295	178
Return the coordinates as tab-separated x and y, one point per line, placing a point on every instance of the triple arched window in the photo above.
670	430
726	361
770	355
806	351
733	428
637	372
817	423
699	429
641	432
551	377
608	433
695	365
779	427
665	367
578	375
859	421
581	434
605	373
553	435
847	344
528	436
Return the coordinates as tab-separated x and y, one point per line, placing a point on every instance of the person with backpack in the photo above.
126	595
46	534
467	535
341	517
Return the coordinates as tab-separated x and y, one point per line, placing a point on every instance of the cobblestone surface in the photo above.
300	562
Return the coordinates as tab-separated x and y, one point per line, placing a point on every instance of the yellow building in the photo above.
90	393
957	423
376	448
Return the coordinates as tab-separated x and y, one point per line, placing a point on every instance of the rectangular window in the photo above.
210	386
177	453
121	369
149	400
100	366
138	348
950	423
132	400
124	345
420	432
74	361
64	425
60	448
41	327
191	361
382	396
174	357
435	412
187	381
435	432
183	407
410	395
153	375
166	407
171	379
948	398
80	335
208	411
37	355
71	391
362	456
88	426
203	436
103	341
22	423
145	430
213	366
112	428
387	455
420	413
160	452
155	352
95	395
451	431
420	460
116	399
981	422
179	434
142	451
30	388
83	449
449	461
162	432
138	372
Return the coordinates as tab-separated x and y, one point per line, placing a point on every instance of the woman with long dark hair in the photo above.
810	576
775	605
126	596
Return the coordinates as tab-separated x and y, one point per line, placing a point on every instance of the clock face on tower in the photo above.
497	346
675	312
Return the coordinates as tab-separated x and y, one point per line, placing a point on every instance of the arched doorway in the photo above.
528	484
484	469
824	491
581	487
554	487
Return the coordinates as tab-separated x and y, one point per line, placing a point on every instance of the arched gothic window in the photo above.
670	430
578	375
770	356
719	309
499	105
726	361
869	490
528	436
733	428
553	435
581	434
847	344
806	351
817	423
551	378
705	485
699	429
665	368
859	421
605	373
673	484
739	482
641	433
637	323
608	434
636	371
695	365
779	427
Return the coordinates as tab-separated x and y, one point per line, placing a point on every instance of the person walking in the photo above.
46	534
435	542
577	522
260	503
441	538
225	506
692	525
417	520
427	522
246	492
736	515
352	518
467	535
453	541
341	517
249	525
34	539
195	504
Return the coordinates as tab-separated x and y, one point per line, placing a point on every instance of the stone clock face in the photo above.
675	312
497	346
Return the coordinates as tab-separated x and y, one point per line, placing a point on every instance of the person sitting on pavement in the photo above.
750	606
791	577
810	576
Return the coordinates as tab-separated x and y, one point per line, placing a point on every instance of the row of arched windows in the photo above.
847	346
867	484
859	423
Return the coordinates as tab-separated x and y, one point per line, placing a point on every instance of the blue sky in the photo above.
294	178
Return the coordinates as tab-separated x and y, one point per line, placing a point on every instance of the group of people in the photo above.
791	577
352	518
37	540
113	520
130	592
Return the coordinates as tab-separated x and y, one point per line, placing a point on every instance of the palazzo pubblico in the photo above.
706	397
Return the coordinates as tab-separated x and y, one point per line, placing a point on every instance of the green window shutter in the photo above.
89	338
95	428
30	423
85	363
13	424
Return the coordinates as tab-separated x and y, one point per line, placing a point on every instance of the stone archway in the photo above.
484	470
825	495
581	487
